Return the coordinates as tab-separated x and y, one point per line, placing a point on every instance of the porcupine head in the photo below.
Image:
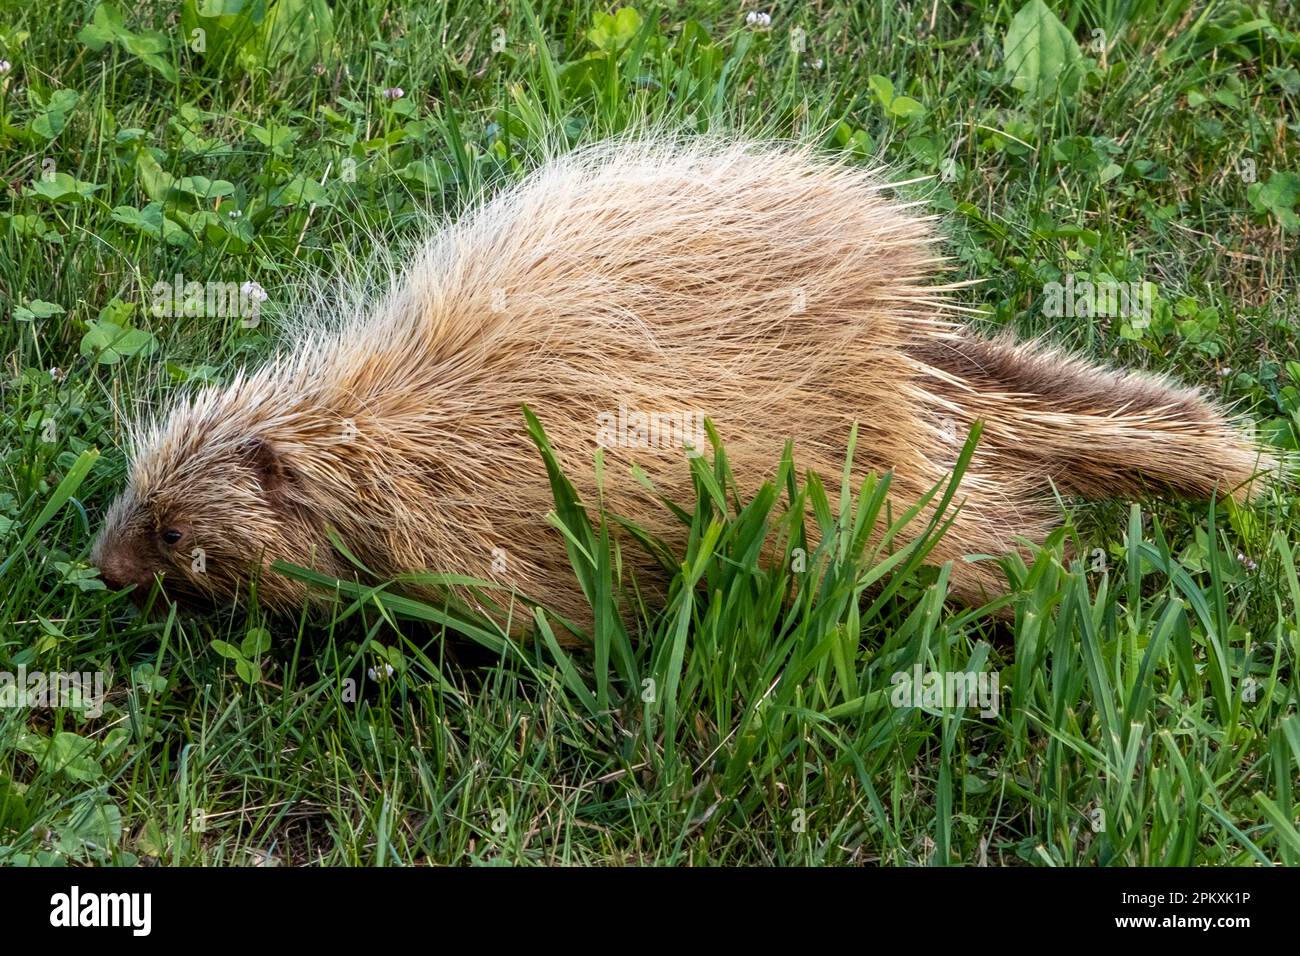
210	502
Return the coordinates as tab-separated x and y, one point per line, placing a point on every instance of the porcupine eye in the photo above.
171	536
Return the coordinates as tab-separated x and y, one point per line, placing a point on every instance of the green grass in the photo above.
1148	699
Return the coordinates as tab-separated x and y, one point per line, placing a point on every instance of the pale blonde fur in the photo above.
780	293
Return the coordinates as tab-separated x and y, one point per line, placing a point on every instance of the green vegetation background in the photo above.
1148	687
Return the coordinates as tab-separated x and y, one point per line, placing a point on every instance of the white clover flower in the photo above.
1246	562
374	672
5	67
394	93
253	291
761	20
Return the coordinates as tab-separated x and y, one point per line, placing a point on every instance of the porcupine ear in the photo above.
267	464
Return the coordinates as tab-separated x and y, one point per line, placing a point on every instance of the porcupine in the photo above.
781	293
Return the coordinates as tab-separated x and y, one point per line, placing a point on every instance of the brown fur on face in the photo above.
206	510
780	294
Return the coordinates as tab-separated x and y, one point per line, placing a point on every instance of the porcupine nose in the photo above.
117	571
110	572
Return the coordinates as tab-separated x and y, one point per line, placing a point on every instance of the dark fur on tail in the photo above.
1095	431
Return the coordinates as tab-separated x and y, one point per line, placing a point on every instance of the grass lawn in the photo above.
1146	711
